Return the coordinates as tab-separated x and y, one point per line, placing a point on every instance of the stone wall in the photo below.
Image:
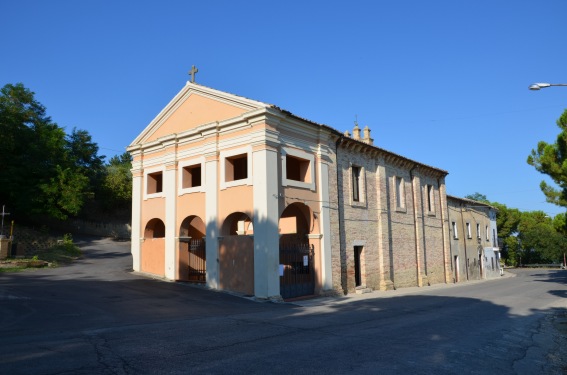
103	229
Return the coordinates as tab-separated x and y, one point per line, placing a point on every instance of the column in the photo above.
170	194
137	196
266	217
211	219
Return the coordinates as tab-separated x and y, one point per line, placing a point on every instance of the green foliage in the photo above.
507	220
528	237
478	197
117	183
45	171
64	252
540	241
551	159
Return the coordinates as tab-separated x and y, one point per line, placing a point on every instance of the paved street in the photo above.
96	317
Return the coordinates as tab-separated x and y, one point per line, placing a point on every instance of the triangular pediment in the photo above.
193	106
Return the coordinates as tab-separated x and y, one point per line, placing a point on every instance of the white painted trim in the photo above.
169	192
146	173
265	221
211	224
136	222
301	155
196	189
227	154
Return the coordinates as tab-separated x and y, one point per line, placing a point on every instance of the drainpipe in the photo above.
465	242
337	143
445	230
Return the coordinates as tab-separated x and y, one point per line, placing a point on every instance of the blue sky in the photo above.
441	82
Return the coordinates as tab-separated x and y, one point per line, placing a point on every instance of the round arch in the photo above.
155	228
237	223
192	226
296	219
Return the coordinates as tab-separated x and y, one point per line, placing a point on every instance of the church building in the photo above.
246	197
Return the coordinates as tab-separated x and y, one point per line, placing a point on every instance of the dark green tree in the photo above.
117	183
551	159
478	197
540	241
42	171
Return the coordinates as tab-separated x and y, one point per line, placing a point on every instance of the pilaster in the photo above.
170	194
416	202
136	234
383	223
326	263
266	216
211	219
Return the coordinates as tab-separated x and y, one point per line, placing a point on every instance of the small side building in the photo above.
474	251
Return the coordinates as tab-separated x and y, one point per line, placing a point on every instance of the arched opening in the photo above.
297	255
192	226
192	250
237	224
153	248
295	223
155	228
236	254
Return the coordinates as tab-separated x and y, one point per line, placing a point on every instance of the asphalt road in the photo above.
97	317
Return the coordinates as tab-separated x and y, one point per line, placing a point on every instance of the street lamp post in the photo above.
538	86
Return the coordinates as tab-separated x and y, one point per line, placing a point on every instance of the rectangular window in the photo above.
297	169
154	183
469	234
455	233
191	176
400	198
430	198
486	230
355	183
478	231
236	167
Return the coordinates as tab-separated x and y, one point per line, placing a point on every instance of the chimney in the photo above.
367	138
356	132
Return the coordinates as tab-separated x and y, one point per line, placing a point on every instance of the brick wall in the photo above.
401	246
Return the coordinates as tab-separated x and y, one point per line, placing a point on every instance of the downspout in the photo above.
465	234
416	228
446	236
337	143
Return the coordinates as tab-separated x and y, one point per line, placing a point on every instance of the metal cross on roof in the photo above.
192	72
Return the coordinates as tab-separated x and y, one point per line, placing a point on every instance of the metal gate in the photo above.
197	261
297	274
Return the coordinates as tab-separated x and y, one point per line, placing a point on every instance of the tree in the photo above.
42	171
117	184
540	241
551	159
478	197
